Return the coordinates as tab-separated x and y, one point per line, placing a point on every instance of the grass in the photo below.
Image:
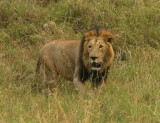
133	86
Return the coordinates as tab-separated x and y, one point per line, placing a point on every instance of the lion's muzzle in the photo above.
95	63
96	66
93	57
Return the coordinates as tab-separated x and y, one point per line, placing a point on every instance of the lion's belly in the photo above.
66	73
64	59
65	69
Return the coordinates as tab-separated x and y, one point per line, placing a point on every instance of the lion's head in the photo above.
97	49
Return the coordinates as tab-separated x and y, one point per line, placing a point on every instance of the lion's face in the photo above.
98	52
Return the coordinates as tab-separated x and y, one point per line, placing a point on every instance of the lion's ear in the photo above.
110	40
107	36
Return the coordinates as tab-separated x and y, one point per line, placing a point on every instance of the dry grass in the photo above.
133	86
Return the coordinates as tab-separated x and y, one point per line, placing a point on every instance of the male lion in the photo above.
77	60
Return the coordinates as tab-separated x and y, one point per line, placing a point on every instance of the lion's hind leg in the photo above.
52	77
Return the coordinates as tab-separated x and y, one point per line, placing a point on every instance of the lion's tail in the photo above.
38	65
34	84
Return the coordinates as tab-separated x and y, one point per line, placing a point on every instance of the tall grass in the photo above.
133	86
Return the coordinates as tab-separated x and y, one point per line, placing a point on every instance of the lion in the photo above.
79	60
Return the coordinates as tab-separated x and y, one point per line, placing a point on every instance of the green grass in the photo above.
132	92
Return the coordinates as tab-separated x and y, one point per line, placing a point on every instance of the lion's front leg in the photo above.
76	80
52	78
79	85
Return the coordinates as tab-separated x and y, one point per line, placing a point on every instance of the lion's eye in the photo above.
89	46
100	46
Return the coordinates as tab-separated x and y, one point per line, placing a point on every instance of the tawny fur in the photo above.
71	59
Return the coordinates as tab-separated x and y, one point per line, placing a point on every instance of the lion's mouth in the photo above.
96	66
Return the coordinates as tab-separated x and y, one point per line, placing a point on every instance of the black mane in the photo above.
83	72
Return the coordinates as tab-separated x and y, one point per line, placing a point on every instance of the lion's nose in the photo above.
93	58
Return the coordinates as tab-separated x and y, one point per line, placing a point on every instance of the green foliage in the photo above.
133	22
132	90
